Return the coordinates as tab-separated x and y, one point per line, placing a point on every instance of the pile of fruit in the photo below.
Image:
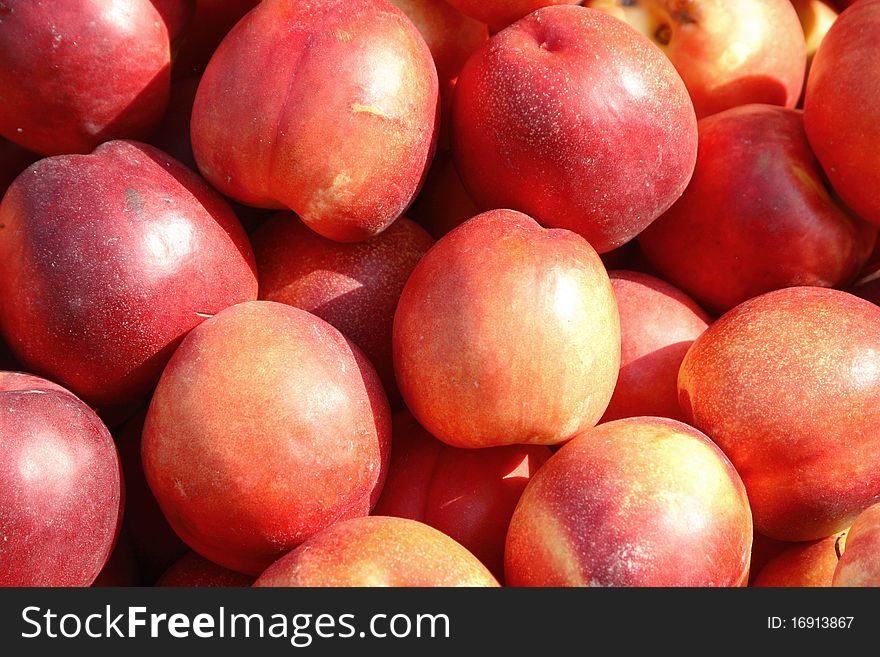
439	292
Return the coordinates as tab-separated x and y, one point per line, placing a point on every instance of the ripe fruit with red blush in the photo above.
727	53
757	215
267	426
636	502
842	108
787	385
107	260
507	333
810	563
531	128
354	287
78	73
347	156
658	323
60	486
468	494
378	551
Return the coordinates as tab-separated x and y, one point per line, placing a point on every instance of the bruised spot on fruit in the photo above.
134	202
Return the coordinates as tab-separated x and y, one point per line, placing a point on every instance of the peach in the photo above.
107	260
451	36
658	323
636	502
266	427
507	333
757	216
60	486
728	53
816	17
842	108
77	73
347	157
378	551
532	130
805	564
786	384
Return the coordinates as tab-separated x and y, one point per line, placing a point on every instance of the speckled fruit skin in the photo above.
266	427
354	287
60	486
636	502
757	215
501	13
507	333
532	130
468	494
378	551
805	564
107	260
842	108
191	570
658	323
347	157
728	53
77	73
788	384
860	563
